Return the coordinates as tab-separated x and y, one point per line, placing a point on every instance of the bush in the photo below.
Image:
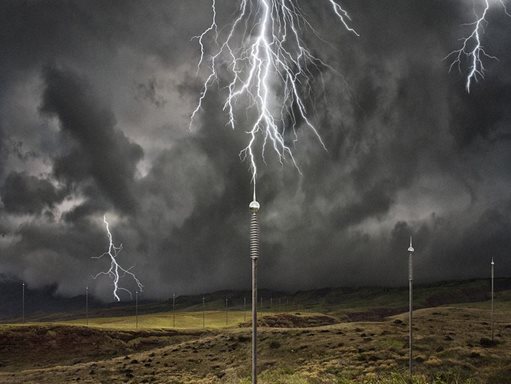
274	345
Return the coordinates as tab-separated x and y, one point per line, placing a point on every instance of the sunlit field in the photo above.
316	341
178	320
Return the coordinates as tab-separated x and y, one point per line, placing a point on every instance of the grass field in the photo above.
177	320
313	344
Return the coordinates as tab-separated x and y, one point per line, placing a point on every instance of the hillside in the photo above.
326	336
348	304
450	348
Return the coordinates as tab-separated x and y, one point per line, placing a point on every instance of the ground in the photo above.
452	345
341	336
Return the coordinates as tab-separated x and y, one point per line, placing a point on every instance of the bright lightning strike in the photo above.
116	272
472	49
269	65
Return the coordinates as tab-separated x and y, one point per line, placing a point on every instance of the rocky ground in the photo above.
449	341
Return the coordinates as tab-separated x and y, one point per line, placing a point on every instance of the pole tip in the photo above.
492	262
410	249
254	206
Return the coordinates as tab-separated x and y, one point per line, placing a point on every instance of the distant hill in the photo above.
350	303
38	302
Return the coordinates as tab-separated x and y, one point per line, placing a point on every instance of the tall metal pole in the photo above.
174	310
87	306
254	255
410	308
23	303
136	309
203	312
492	296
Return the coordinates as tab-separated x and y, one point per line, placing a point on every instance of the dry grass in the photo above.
183	320
448	350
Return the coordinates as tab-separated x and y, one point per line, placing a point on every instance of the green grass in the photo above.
347	353
183	320
343	303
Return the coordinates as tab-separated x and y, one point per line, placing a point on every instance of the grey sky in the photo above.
95	100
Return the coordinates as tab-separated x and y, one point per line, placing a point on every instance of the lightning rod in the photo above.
254	255
410	308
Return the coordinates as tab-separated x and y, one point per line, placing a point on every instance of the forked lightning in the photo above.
472	50
116	272
269	66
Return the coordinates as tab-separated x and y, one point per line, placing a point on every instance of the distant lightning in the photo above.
116	272
263	52
472	49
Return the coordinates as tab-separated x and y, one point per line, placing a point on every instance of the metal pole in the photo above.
410	308
254	255
87	306
23	303
203	312
492	296
174	310
136	309
226	311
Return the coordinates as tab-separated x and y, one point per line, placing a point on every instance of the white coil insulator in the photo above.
254	236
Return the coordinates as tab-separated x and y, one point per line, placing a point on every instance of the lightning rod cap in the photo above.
254	206
410	249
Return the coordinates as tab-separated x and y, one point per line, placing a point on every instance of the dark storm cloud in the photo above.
3	152
102	151
409	151
22	193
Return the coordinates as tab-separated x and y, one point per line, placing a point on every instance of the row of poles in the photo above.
254	256
411	251
136	308
203	310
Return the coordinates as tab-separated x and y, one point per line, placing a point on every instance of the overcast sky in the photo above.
95	101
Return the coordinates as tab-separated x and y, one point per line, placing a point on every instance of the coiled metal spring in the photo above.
254	236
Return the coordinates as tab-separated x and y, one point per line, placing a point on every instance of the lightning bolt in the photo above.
472	49
116	272
268	65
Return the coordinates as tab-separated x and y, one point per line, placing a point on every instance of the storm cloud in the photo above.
100	152
94	111
22	193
